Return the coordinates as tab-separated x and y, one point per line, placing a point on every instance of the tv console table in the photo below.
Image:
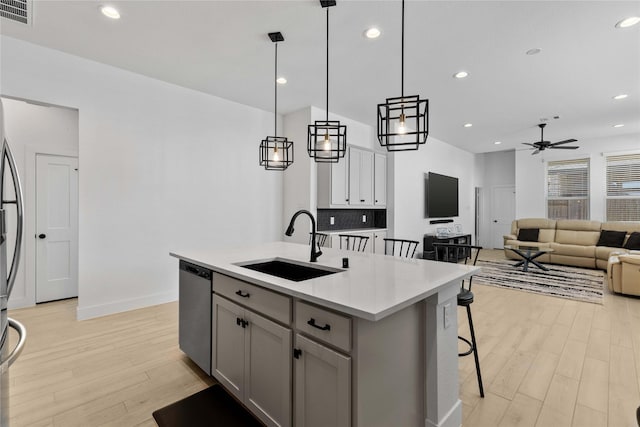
428	251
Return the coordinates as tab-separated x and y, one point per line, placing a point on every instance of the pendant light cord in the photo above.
402	54
327	99
275	85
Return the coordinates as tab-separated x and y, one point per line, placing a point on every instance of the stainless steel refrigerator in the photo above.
8	199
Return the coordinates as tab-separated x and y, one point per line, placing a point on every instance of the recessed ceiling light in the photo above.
110	12
619	125
534	51
372	33
498	142
281	80
460	74
468	125
628	22
621	96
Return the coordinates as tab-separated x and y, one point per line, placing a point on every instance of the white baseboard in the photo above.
20	303
89	312
453	418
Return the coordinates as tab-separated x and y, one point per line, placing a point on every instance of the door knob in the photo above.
495	220
42	236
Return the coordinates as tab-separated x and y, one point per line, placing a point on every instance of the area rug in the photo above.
211	407
580	284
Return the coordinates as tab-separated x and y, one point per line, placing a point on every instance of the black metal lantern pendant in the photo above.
276	152
403	122
327	139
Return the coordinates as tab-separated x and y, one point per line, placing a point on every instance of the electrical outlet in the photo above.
332	220
447	315
364	218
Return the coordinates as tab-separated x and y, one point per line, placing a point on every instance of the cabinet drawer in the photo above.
329	327
261	300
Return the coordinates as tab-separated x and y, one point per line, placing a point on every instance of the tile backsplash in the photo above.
346	219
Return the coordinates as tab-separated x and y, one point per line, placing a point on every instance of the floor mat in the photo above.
211	407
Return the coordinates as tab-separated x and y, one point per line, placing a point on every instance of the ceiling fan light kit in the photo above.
276	152
403	122
327	139
543	145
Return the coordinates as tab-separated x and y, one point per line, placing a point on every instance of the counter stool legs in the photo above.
473	349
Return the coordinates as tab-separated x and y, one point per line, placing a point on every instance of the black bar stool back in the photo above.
353	242
449	252
321	239
400	247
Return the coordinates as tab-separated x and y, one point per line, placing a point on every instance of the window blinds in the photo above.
568	189
623	187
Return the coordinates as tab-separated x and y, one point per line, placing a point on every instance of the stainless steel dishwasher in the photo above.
194	317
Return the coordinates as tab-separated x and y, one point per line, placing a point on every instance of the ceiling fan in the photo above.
543	145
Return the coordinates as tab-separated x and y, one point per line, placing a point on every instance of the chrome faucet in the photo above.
314	254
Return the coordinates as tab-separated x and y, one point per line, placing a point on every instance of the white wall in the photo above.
40	129
531	173
406	214
496	169
161	168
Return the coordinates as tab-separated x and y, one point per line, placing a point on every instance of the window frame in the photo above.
586	186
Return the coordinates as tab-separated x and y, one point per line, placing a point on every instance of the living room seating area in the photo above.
607	246
578	243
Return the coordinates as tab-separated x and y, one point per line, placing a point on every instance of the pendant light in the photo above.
276	152
327	139
403	122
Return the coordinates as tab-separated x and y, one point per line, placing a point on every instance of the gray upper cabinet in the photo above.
360	177
380	180
354	182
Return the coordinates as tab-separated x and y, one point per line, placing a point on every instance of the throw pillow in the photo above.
612	239
528	234
633	243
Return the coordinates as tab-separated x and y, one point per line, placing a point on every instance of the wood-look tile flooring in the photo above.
546	362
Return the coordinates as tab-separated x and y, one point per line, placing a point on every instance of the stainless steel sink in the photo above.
296	271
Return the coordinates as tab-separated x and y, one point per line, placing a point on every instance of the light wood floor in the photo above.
546	362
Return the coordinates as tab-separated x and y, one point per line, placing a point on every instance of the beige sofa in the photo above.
573	241
623	273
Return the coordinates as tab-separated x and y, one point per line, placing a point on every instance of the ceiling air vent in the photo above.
16	10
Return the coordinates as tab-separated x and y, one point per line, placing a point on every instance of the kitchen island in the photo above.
374	344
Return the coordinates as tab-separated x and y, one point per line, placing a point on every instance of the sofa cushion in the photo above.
573	237
528	234
633	242
628	226
547	227
613	239
604	252
573	250
578	225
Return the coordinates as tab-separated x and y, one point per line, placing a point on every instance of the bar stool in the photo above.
353	242
400	247
453	253
321	239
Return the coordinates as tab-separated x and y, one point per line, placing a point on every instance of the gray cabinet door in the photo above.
380	180
268	370
227	358
322	386
340	183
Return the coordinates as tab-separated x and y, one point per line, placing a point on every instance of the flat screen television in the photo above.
441	196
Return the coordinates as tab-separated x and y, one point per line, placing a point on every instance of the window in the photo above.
568	189
623	187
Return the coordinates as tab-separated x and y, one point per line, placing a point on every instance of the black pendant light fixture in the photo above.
327	139
403	122
276	152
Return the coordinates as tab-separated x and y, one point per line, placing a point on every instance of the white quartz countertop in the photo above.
373	287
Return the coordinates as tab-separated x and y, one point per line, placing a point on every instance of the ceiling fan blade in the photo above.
564	148
527	143
566	141
535	152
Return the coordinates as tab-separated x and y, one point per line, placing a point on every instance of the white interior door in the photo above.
56	227
503	212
